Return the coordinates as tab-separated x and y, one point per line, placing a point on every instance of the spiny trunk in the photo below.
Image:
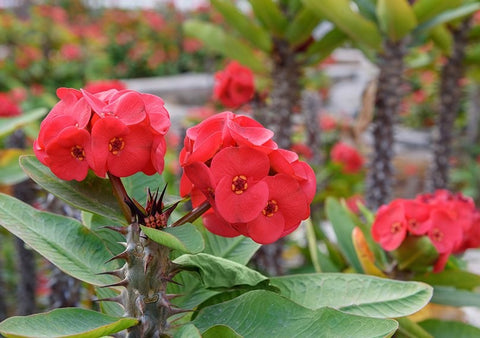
285	95
450	96
145	275
311	103
387	102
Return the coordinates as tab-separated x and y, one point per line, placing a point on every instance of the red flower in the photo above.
390	226
67	154
254	189
119	149
285	209
234	86
444	233
348	157
417	215
8	107
240	192
124	135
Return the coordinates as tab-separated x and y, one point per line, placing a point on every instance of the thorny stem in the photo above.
193	215
121	195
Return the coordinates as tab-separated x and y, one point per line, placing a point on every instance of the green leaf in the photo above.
136	186
343	227
396	18
410	329
450	296
302	26
357	27
66	322
427	9
243	25
220	273
355	294
266	314
62	240
447	16
449	328
215	38
93	194
442	38
322	48
10	124
459	279
270	15
367	8
107	307
187	331
185	238
238	249
220	331
10	171
110	238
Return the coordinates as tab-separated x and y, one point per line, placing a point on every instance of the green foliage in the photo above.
459	279
10	171
427	9
357	27
248	29
343	227
93	194
219	273
447	295
215	38
449	328
185	238
396	18
270	15
355	294
10	124
300	29
64	241
266	314
448	16
66	322
323	47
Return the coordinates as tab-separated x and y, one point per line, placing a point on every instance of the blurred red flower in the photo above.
8	107
234	85
348	157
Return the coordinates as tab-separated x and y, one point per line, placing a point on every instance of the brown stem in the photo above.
193	215
121	195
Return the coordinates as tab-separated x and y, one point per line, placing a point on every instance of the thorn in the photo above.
169	280
122	230
117	273
123	282
167	212
170	296
122	255
174	311
146	262
175	268
125	244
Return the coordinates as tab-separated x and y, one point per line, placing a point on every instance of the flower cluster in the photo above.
254	188
8	106
450	221
348	157
116	132
234	85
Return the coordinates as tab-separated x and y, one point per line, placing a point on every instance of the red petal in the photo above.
230	162
200	175
266	230
444	233
240	208
157	114
388	216
218	226
129	108
61	161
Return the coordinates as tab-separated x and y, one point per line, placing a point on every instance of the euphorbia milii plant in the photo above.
245	188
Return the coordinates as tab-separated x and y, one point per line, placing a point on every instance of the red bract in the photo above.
234	85
116	132
254	188
449	220
8	107
348	157
390	225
